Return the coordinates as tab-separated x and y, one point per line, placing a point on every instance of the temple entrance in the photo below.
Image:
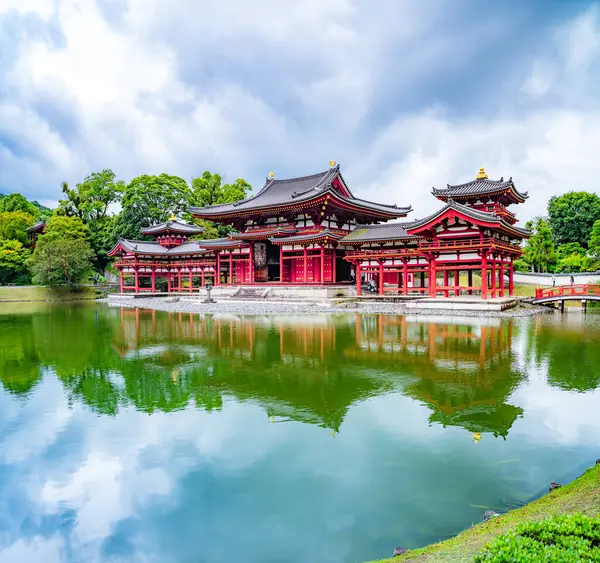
273	262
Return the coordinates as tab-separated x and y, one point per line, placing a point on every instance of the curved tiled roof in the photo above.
308	237
375	233
294	190
483	216
173	226
479	186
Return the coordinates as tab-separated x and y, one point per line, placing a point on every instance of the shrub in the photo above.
560	539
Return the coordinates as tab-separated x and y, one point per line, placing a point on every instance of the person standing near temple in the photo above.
553	280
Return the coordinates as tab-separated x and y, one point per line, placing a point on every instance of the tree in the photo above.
17	202
540	252
151	199
13	262
208	190
62	227
594	245
14	225
91	199
61	261
572	216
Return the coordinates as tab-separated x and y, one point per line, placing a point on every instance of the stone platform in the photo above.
464	303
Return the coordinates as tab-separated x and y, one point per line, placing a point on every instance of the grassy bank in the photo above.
34	293
582	495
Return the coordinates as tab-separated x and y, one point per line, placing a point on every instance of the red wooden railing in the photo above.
563	290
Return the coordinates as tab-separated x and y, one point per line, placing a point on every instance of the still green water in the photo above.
138	436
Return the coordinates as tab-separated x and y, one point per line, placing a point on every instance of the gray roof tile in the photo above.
173	226
479	186
374	233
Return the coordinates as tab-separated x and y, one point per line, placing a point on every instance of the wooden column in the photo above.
137	279
502	277
168	280
122	280
432	278
179	272
322	265
280	265
358	275
405	276
511	281
305	266
422	279
202	274
153	279
456	282
191	284
381	271
231	267
494	273
484	274
446	294
333	266
218	272
251	273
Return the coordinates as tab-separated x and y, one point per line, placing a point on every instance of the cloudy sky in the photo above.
404	95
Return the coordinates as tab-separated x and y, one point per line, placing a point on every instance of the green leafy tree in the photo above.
17	202
91	199
576	263
148	200
594	245
568	249
13	262
14	225
61	261
62	227
540	251
208	190
572	217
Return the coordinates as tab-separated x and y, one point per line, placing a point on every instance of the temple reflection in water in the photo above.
314	368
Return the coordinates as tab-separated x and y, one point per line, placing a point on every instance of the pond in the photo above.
142	436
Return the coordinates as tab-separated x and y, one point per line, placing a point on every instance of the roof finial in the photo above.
271	175
332	164
172	217
482	174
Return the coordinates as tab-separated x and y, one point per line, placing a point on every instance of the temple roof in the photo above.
37	227
155	249
173	226
308	237
375	233
295	191
482	185
260	234
482	216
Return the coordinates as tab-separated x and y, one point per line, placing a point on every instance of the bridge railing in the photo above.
564	290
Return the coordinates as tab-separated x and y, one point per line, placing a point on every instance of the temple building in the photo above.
313	231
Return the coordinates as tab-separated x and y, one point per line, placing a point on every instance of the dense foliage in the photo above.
572	216
561	539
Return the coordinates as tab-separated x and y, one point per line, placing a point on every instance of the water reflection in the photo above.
287	436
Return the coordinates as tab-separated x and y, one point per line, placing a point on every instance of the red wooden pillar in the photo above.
322	265
168	280
494	276
456	282
305	266
446	294
432	278
122	280
137	279
484	274
251	265
502	277
511	281
358	275
281	270
333	266
179	272
231	276
381	277
405	276
422	279
203	275
153	280
191	284
218	272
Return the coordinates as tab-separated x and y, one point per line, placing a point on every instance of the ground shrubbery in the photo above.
560	539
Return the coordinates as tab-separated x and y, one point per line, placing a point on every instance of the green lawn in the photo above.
39	293
582	495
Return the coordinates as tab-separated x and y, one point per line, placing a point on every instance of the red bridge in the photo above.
562	293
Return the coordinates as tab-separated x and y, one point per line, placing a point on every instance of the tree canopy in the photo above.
151	199
61	261
13	262
572	216
540	251
14	225
208	190
17	202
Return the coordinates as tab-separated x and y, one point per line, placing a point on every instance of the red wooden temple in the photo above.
313	231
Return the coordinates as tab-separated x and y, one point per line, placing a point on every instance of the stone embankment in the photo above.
267	307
